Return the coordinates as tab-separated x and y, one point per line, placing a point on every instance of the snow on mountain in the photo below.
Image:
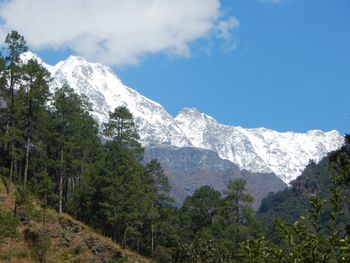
106	91
257	150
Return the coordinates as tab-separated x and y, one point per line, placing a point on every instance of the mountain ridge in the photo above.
189	168
258	150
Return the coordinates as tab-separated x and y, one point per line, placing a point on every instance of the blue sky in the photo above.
289	71
285	65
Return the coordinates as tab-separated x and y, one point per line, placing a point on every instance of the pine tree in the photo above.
236	215
122	189
198	211
73	128
159	202
15	45
122	129
34	95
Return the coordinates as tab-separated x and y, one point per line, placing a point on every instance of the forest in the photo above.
53	149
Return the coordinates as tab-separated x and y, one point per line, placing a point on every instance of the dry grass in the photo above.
75	251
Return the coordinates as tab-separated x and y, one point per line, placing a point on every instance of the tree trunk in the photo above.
29	135
73	197
25	175
44	211
66	189
124	238
237	220
15	168
12	90
61	184
12	124
152	238
124	234
60	193
7	132
11	168
20	171
73	188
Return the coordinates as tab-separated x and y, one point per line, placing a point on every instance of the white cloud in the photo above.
225	31
115	32
225	27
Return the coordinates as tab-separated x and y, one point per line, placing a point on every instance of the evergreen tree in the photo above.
198	211
34	95
339	162
11	77
121	128
236	215
160	205
15	46
75	136
123	188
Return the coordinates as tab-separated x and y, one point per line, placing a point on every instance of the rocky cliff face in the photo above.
190	168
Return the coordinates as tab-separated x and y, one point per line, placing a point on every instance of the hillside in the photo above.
293	201
68	240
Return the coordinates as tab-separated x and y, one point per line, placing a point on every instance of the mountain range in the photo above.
249	151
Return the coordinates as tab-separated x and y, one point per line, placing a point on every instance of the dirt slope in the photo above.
62	239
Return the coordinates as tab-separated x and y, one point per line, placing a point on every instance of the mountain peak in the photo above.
189	111
193	113
76	58
28	55
74	61
256	150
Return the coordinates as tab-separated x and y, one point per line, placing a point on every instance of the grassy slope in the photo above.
70	240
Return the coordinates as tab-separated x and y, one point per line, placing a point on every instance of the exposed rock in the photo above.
102	250
23	218
307	183
69	225
306	186
54	234
31	235
65	241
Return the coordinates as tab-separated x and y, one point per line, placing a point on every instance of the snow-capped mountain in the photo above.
256	150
